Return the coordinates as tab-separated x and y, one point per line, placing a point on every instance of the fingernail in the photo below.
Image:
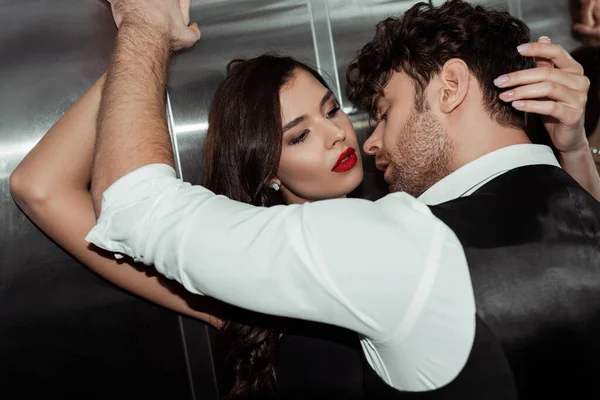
507	95
501	80
546	38
524	48
518	104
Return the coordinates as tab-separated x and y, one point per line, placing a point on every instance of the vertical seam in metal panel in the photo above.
314	34
515	9
187	357
171	123
177	159
336	76
212	361
323	43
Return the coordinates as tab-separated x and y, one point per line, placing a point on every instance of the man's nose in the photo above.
373	143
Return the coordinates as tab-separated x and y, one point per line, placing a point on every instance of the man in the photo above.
146	214
511	200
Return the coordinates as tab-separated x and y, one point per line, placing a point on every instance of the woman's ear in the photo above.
455	78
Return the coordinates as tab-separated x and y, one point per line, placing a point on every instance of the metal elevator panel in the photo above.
64	332
550	18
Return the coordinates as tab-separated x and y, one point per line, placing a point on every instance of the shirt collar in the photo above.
470	177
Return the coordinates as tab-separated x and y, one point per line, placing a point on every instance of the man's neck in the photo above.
477	140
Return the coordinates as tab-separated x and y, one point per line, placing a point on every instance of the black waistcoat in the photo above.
532	240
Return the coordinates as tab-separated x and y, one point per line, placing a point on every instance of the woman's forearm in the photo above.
51	186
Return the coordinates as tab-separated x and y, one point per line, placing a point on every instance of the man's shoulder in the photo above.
532	198
532	182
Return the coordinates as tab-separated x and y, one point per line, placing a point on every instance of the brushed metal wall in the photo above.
63	331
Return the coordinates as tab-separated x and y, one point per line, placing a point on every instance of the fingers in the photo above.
187	37
116	16
591	31
556	87
554	52
542	62
596	11
587	13
194	32
184	6
547	91
191	33
565	114
589	27
171	17
573	81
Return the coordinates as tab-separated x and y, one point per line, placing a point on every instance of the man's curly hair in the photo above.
426	37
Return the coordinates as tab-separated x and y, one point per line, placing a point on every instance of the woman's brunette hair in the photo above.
241	156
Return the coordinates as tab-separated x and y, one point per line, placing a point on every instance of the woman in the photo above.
241	166
260	162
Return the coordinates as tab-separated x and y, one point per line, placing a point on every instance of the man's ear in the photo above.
454	78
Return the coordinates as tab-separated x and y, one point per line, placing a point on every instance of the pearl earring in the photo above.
275	186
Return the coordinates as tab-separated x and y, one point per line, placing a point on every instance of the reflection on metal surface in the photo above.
17	150
550	18
514	7
171	125
191	128
63	331
324	45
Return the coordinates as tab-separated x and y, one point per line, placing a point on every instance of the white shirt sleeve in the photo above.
389	270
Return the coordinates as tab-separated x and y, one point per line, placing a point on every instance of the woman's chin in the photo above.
351	185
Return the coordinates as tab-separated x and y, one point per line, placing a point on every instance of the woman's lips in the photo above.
346	161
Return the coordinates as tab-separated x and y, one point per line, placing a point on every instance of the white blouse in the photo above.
388	270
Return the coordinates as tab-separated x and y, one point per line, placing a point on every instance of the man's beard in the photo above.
422	155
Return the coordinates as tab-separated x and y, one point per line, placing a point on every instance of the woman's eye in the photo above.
300	138
333	112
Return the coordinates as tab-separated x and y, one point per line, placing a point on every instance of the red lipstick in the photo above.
346	161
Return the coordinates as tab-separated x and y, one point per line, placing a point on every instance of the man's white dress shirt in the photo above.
389	270
467	179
